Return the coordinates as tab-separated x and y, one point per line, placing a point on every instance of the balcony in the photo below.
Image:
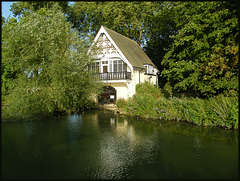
114	76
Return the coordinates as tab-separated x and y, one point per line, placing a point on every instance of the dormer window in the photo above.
149	69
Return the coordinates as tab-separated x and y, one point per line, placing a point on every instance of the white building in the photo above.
121	64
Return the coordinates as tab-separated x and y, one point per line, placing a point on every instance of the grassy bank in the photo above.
151	102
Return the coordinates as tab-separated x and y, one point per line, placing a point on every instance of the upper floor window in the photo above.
95	66
119	66
149	69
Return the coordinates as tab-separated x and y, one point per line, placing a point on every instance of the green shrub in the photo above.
121	103
223	111
149	102
146	88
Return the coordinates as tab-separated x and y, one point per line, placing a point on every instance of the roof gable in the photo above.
127	47
132	51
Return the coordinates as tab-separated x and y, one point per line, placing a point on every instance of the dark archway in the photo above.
108	96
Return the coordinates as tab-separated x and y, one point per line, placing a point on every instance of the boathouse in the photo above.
121	64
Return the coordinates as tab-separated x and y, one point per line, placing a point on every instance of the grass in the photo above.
151	102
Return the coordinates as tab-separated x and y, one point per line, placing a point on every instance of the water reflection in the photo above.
74	122
114	155
74	127
28	128
197	146
102	145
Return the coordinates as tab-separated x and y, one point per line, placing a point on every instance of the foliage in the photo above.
146	88
24	8
223	110
121	102
157	33
127	18
8	73
144	98
50	65
219	111
204	55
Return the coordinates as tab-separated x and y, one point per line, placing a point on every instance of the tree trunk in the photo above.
140	37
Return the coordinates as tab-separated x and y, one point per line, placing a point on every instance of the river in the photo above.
98	144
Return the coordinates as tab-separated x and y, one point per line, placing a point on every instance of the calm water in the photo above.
101	145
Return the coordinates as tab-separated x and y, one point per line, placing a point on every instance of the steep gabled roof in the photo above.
131	50
132	53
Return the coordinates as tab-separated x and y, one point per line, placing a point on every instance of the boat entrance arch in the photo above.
108	95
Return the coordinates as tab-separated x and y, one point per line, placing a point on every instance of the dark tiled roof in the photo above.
131	50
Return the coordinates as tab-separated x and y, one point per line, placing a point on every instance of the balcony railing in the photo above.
114	76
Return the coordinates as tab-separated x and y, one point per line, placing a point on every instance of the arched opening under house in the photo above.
108	96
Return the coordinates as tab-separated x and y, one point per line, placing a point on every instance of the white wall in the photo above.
121	88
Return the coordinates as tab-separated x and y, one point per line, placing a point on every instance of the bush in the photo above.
223	111
149	102
121	103
146	88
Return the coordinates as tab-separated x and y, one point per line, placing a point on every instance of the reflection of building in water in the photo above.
117	145
115	153
123	128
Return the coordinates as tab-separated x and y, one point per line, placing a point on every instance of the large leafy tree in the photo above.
50	64
204	55
127	18
24	8
158	32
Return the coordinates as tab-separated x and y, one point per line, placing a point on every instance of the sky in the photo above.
6	8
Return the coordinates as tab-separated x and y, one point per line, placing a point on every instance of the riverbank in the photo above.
150	102
8	114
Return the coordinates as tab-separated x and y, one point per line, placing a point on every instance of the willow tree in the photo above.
50	62
24	8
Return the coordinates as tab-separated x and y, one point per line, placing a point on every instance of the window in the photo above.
110	66
104	62
119	66
125	67
115	68
95	66
149	69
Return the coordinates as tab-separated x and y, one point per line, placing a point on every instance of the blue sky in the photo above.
6	8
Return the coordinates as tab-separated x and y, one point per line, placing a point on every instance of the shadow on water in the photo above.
101	145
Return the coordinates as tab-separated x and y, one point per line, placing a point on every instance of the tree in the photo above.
51	63
126	18
204	55
24	8
8	73
158	32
